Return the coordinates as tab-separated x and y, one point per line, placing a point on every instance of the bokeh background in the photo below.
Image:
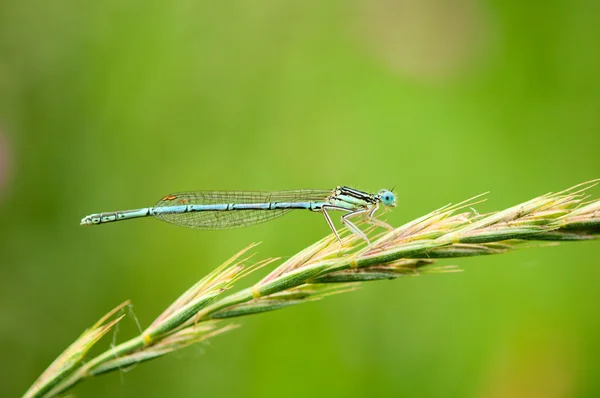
111	105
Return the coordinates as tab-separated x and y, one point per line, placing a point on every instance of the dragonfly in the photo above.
213	210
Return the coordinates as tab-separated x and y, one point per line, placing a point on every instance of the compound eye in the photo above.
387	198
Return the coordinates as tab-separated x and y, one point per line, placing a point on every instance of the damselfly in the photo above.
232	209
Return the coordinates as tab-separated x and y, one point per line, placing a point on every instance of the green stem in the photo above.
88	369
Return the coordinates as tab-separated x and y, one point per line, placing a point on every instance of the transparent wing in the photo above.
231	218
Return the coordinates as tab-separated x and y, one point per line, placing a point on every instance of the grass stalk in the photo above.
329	267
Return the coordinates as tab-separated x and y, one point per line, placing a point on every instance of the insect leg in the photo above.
330	223
354	228
375	221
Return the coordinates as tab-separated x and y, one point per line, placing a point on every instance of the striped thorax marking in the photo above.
352	199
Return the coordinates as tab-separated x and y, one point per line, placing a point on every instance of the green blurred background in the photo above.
111	105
